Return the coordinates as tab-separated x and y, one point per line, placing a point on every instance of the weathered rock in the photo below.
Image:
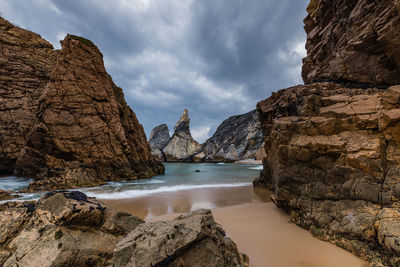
181	146
61	229
26	61
353	41
237	138
190	240
159	138
5	195
333	162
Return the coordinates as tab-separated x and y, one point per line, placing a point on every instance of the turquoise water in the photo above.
178	177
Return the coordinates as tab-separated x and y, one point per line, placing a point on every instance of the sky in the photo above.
217	58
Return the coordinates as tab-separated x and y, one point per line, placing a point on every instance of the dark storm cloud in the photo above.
215	57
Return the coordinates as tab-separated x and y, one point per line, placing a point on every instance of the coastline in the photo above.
259	229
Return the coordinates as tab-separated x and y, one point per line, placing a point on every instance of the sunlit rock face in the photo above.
333	158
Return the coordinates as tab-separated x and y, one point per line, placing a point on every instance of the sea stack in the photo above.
159	138
332	145
181	145
67	124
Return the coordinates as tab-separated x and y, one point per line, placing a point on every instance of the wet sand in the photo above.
260	230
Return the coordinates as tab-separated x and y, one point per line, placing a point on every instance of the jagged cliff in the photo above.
63	121
181	146
333	147
237	138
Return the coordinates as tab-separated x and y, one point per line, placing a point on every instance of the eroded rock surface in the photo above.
333	161
353	41
61	229
63	122
159	138
26	61
193	239
181	146
237	138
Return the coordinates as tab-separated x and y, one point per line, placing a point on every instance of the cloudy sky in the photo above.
217	58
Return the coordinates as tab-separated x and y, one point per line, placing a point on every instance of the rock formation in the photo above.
353	41
61	229
70	229
159	138
26	61
333	158
238	137
63	121
190	240
181	146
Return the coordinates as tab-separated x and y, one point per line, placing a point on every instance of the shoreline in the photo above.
260	229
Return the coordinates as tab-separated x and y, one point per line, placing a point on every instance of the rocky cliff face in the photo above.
353	41
63	121
181	146
238	137
159	138
332	149
26	61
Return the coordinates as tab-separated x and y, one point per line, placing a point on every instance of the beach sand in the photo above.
259	229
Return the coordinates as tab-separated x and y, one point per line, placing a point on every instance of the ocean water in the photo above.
178	177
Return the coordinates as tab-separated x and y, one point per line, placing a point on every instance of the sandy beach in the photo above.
260	230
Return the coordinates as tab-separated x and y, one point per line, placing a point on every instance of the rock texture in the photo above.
63	121
61	229
237	138
159	138
181	146
353	41
26	61
5	195
190	240
333	158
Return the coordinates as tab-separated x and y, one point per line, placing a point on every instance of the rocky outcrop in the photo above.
70	229
333	147
181	146
190	240
61	229
159	138
26	61
5	195
237	138
353	41
63	121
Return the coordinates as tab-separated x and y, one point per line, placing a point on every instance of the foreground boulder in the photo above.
181	146
61	229
237	138
190	240
333	148
63	121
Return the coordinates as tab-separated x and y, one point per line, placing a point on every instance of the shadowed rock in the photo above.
159	138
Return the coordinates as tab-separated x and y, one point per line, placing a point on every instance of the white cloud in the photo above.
201	133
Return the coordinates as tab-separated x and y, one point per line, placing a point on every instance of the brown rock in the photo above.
4	195
61	229
190	240
26	61
63	121
332	161
353	41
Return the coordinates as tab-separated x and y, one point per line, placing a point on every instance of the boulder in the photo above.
61	229
181	146
193	239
